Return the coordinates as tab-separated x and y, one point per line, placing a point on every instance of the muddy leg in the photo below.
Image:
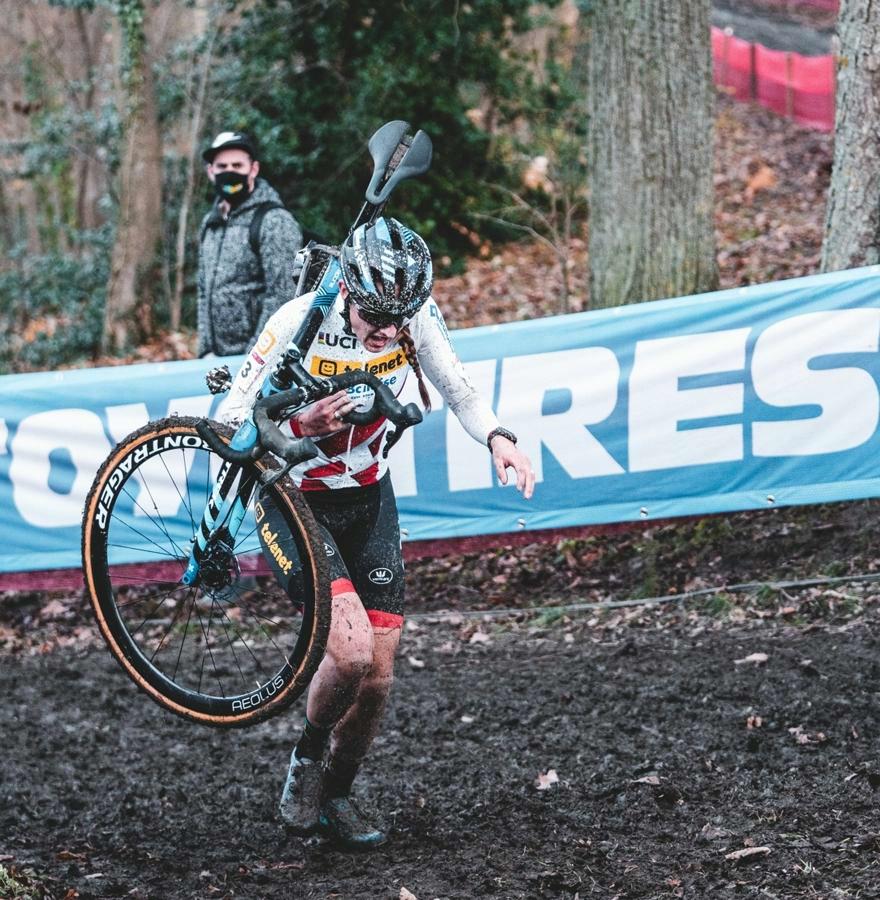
346	663
354	733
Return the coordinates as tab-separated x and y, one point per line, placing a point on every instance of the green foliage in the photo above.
313	81
553	127
20	885
51	306
61	135
549	617
719	605
130	14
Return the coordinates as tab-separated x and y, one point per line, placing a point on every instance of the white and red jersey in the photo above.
353	456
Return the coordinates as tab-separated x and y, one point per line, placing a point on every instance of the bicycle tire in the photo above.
134	552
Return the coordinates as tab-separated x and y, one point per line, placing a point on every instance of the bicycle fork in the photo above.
222	510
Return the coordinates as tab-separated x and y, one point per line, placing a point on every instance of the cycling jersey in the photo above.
353	457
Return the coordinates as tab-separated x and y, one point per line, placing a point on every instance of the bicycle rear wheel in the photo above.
234	648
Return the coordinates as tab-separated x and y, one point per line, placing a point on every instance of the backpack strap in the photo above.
257	224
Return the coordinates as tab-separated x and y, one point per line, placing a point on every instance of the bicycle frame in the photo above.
396	157
223	510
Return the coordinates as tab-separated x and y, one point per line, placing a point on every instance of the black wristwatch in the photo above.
500	432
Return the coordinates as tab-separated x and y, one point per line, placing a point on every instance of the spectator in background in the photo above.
247	245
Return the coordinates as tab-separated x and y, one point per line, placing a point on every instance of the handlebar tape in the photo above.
297	450
385	403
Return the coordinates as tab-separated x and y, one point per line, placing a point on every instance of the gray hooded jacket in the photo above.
239	290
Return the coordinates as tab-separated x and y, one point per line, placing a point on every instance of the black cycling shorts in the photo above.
362	541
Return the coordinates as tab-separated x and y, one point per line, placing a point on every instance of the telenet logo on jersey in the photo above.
382	365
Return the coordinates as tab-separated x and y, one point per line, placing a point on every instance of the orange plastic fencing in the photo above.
799	87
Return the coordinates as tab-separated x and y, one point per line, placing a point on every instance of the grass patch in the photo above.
19	885
719	605
549	617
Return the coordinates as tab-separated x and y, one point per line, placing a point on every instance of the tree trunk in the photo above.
87	178
195	110
651	104
134	263
852	220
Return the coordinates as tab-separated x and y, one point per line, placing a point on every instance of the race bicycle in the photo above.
182	518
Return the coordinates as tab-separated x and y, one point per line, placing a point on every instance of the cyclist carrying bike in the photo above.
385	320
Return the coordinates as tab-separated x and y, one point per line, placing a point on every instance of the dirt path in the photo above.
106	795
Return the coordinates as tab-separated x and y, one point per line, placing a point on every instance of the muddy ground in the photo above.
673	744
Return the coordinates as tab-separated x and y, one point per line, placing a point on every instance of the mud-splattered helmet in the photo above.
387	270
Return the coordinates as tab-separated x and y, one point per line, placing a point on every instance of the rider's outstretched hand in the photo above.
504	455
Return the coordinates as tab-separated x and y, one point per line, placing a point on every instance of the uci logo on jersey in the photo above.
381	576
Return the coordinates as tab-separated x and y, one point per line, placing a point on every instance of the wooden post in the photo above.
753	72
789	87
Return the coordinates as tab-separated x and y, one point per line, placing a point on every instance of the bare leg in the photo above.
349	744
346	663
355	732
331	693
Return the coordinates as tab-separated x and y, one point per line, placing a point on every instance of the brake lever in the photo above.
410	415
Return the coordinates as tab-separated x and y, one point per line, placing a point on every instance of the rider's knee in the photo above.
375	687
354	664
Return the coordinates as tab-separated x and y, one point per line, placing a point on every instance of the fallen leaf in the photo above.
546	780
804	737
754	722
762	179
53	609
647	779
479	637
406	895
747	853
712	832
757	658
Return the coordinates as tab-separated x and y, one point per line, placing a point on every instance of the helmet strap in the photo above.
346	316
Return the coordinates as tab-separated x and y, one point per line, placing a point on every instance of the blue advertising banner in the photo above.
740	399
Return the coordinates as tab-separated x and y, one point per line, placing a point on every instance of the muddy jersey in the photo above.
353	457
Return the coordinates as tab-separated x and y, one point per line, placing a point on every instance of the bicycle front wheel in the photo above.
235	647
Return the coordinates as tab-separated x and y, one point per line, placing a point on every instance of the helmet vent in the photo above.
376	275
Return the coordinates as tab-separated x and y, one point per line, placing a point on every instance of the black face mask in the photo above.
231	187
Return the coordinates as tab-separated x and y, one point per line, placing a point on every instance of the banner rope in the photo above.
745	587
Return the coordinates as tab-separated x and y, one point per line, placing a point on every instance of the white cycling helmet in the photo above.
387	270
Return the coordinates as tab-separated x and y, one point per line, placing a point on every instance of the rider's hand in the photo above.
504	455
325	416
